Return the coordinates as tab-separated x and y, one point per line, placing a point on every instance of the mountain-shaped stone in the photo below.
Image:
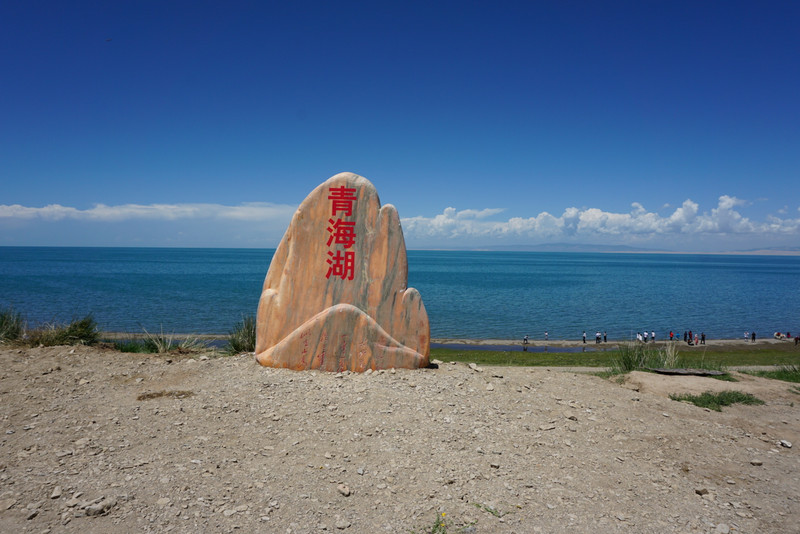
335	295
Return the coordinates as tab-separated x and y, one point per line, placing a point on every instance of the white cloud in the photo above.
478	214
683	217
453	223
253	211
263	223
594	223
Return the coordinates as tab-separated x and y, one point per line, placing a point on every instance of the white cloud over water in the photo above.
685	227
252	211
593	224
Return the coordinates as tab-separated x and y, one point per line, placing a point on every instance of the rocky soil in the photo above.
95	441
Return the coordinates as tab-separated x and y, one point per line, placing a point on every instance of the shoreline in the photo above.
591	342
515	343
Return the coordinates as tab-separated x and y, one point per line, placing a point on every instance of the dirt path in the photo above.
95	441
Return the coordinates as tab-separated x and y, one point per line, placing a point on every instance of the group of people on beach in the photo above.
642	337
787	335
598	337
689	337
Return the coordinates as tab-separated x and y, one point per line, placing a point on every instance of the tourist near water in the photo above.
468	294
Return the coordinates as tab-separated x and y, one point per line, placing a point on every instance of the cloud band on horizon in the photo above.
686	220
250	211
452	227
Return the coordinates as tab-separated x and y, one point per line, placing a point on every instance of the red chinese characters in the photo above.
342	199
341	263
342	232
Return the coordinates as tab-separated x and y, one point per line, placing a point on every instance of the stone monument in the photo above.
335	295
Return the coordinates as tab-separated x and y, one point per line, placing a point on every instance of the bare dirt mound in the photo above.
768	390
96	441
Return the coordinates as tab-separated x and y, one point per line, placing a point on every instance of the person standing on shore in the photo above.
605	337
684	336
652	336
746	335
545	335
753	336
525	343
671	334
702	338
584	337
645	336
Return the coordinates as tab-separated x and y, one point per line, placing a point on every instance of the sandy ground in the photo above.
95	441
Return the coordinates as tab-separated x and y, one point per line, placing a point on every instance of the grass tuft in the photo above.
77	332
638	356
191	344
787	373
633	356
715	401
243	336
160	342
11	325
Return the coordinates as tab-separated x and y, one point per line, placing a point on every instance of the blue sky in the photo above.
669	125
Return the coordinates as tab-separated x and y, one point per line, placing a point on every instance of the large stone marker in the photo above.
335	295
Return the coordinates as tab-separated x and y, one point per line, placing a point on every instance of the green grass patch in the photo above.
77	332
758	354
134	346
12	325
243	336
617	359
715	401
787	373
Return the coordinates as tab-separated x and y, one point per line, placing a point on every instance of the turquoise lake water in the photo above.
480	295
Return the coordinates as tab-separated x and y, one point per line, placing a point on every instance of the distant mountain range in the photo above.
567	247
582	247
795	250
